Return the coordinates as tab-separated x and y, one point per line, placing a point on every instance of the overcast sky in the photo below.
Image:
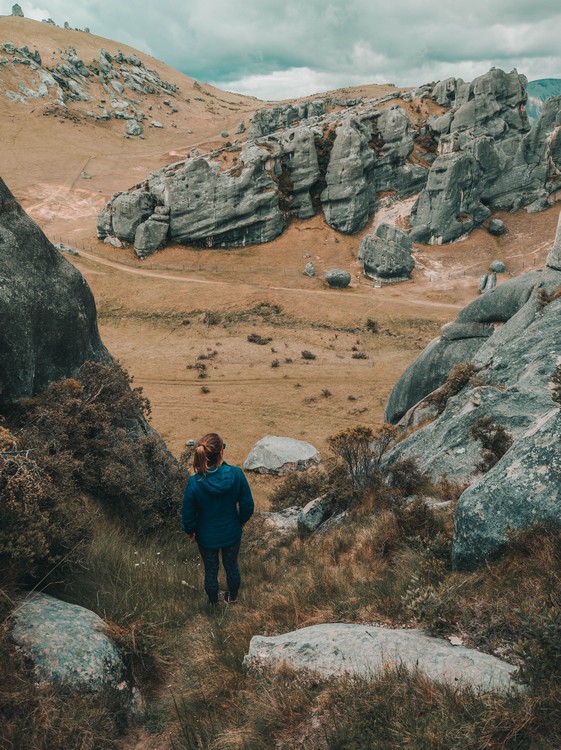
278	49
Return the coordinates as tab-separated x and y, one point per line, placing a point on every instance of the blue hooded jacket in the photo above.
216	505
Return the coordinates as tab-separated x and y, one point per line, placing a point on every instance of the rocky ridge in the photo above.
121	78
475	152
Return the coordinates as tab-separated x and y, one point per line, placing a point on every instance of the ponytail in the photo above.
207	453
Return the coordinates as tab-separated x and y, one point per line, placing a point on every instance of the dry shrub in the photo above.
494	439
40	525
90	436
461	375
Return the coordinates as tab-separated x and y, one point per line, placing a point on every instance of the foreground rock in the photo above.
281	455
49	326
66	644
340	648
515	365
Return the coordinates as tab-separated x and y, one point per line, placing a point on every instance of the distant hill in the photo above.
538	92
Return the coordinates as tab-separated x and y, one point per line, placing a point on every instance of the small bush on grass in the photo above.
298	489
255	338
494	439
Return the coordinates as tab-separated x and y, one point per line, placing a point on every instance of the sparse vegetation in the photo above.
461	375
359	355
307	354
255	338
494	439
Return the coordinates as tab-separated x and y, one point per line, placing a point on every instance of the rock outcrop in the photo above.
515	366
458	342
478	154
49	326
118	78
365	650
487	155
281	455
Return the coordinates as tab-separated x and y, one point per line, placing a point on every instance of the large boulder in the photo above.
281	455
386	254
520	490
49	326
337	278
335	649
66	644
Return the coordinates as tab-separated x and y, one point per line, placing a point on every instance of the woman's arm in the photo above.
189	511
245	500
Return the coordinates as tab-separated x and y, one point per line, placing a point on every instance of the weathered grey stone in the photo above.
503	303
497	266
17	11
364	650
134	128
126	212
521	490
149	236
66	644
337	278
386	254
428	372
312	515
285	521
554	256
490	283
299	171
310	270
496	227
281	455
456	331
49	326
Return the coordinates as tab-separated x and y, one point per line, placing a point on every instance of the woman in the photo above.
216	505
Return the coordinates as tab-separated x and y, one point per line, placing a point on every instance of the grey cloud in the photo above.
403	41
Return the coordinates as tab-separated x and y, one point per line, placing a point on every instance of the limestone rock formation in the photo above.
49	326
364	650
17	11
515	368
386	254
66	644
488	156
281	455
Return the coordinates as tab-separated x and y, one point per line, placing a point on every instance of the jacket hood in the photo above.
218	481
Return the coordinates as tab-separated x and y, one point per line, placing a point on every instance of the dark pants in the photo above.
229	561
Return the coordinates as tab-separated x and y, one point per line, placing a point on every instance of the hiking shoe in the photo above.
228	599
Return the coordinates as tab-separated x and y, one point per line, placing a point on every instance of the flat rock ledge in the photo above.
340	648
281	455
